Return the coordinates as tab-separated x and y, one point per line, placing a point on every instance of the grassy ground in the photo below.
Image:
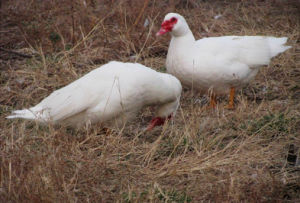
202	156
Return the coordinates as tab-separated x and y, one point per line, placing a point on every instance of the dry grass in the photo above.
220	156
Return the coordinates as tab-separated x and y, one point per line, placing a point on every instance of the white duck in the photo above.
111	94
216	63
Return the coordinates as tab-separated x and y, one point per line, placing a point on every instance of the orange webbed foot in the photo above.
230	105
212	101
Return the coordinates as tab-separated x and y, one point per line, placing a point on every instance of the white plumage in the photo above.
216	63
111	94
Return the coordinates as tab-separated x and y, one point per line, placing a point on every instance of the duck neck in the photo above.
186	39
172	89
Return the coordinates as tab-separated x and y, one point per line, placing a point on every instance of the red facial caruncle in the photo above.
167	26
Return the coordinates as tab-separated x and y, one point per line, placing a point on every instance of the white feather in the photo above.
218	62
114	92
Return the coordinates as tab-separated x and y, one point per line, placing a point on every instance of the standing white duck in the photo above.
111	94
216	63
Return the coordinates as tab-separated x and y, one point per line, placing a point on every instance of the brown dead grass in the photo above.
220	156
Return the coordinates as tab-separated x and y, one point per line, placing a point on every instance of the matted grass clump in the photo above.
245	155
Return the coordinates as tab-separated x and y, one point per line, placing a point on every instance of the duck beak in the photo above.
157	121
161	31
154	122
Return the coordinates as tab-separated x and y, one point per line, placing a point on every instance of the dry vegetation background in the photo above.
248	154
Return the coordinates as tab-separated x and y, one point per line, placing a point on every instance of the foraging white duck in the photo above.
216	63
111	94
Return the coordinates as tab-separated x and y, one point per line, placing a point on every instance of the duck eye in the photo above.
173	19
